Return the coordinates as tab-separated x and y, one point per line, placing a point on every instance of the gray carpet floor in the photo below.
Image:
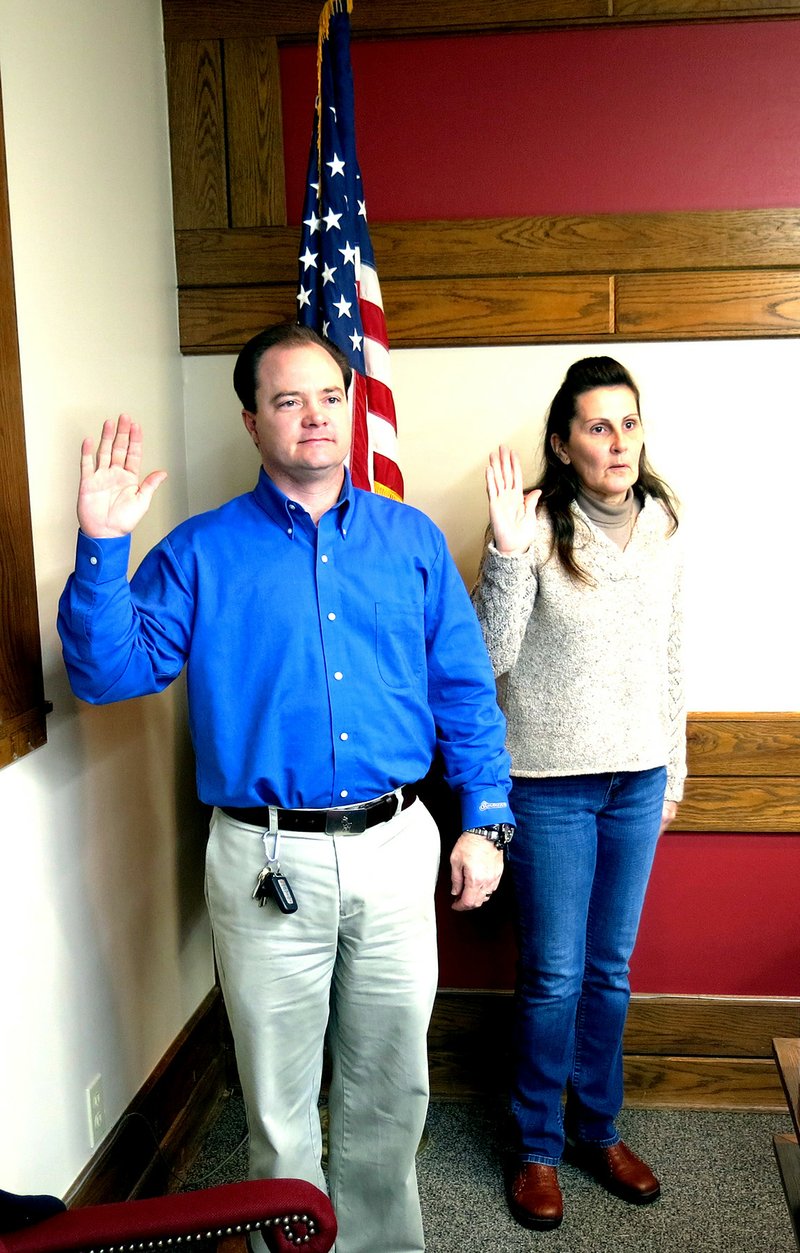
721	1189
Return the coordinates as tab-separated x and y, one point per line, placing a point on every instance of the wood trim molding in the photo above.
743	744
623	243
744	773
23	708
693	1052
522	280
296	20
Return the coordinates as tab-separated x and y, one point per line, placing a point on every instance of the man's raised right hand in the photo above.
111	500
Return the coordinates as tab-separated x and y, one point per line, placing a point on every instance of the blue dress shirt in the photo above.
324	663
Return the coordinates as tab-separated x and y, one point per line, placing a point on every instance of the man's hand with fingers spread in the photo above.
111	500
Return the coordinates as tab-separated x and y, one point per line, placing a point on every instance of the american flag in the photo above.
338	292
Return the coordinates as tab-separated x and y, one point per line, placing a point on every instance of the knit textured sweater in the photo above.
589	675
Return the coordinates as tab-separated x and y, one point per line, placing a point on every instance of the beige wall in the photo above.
723	427
104	946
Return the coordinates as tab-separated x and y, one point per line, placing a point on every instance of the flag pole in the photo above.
338	292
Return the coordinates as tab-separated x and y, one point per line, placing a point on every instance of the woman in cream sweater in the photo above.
578	597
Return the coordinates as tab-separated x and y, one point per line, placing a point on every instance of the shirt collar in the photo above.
277	505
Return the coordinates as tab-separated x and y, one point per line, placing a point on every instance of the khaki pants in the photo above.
360	955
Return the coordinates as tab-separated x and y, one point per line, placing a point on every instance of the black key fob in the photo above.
280	889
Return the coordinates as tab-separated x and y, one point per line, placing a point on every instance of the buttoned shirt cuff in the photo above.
101	560
483	809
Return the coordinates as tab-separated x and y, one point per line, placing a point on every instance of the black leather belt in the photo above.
349	819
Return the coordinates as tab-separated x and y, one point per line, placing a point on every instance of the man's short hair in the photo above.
245	372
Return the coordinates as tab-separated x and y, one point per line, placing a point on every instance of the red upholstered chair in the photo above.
290	1214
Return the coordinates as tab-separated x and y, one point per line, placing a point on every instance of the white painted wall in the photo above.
104	945
722	423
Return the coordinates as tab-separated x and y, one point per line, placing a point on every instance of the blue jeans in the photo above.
579	862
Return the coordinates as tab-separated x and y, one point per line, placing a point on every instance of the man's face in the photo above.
301	425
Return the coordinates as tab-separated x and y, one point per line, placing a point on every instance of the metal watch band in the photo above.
497	833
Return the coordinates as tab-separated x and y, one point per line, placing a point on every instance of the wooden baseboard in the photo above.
693	1052
160	1131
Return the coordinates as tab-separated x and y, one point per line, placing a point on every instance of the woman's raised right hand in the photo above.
511	513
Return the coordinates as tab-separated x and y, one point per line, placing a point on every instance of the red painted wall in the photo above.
721	918
578	122
561	122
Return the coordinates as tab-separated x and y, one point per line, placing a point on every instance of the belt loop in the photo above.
273	820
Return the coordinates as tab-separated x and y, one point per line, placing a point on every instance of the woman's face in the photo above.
605	442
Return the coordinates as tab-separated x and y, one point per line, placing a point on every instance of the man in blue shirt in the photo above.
330	648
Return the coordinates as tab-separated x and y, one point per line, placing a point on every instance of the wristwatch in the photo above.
499	833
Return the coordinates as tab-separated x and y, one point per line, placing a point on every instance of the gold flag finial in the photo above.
328	9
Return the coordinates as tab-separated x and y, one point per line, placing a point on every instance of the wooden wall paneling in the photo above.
612	243
197	134
707	1026
731	805
527	309
297	19
254	131
744	773
709	305
700	1083
685	10
220	258
221	319
421	313
752	297
743	744
693	1051
603	243
504	310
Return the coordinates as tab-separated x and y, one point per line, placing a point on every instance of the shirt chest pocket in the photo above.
399	644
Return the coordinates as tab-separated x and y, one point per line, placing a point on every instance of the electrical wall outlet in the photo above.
96	1105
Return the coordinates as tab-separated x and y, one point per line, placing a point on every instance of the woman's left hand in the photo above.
668	812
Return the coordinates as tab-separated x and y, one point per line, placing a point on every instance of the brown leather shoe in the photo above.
618	1169
534	1197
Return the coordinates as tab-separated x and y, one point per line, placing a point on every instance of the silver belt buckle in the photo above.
346	821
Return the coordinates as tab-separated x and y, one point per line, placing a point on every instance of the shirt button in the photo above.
93	561
324	558
338	674
344	736
288	530
331	617
344	792
291	506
